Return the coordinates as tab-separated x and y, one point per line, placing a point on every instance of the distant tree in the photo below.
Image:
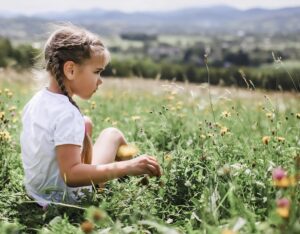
240	58
138	36
6	51
25	56
194	55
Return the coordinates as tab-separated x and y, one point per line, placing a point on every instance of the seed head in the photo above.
87	227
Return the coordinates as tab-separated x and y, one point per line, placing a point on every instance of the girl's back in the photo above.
49	119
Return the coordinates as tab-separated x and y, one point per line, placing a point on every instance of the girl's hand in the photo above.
143	164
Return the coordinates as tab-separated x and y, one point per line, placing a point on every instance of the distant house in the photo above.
164	50
138	36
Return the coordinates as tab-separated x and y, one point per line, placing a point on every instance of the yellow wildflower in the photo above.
127	151
93	105
223	131
280	139
270	115
266	140
168	158
298	115
5	136
135	117
202	136
2	114
12	108
283	212
225	114
9	94
282	183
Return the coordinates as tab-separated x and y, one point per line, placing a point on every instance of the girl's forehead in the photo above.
97	60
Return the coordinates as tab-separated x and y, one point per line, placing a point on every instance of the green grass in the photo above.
212	181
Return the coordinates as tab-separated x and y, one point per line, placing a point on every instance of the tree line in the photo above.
24	56
20	56
270	78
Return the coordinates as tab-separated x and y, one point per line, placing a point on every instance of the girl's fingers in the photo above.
155	168
151	169
153	162
152	165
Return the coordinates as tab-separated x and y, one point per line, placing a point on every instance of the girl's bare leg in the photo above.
106	146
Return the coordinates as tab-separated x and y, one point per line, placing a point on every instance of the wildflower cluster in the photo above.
266	139
286	204
5	136
281	179
8	116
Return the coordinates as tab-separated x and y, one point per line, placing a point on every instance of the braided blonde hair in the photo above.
71	43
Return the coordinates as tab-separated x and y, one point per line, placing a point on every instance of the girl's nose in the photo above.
99	81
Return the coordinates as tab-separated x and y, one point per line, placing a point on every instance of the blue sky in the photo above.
38	6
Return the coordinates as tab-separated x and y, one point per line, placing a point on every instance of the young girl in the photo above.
58	156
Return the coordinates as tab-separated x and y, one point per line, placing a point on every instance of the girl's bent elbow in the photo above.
69	181
70	176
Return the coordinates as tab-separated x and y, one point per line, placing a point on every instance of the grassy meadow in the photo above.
230	159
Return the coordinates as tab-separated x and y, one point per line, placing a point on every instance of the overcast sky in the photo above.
38	6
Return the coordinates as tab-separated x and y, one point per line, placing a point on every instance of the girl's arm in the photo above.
77	174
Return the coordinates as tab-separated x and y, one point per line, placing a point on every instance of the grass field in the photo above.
230	159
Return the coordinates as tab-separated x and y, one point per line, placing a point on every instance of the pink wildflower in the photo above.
278	173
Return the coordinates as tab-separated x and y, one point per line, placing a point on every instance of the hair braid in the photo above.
57	72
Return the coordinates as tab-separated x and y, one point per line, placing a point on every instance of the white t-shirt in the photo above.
49	119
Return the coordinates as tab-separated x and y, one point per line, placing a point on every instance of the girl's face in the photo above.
87	76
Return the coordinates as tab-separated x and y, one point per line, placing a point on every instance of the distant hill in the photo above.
212	20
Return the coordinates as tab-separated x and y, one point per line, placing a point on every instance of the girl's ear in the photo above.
69	67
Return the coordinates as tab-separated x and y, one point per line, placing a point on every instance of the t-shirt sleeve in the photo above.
69	129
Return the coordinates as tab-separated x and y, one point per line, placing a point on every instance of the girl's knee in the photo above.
113	133
88	125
